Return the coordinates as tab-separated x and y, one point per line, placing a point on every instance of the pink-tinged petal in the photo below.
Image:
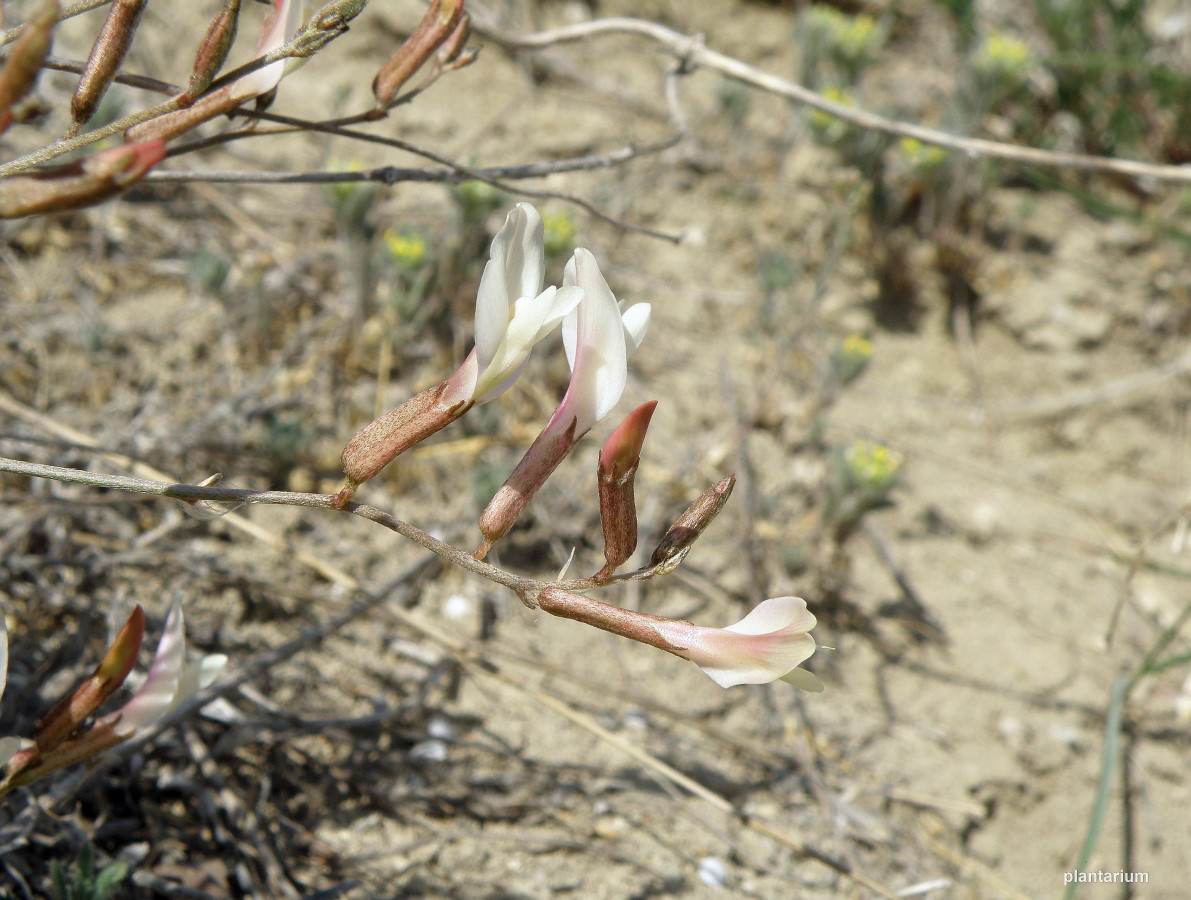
775	614
593	335
767	645
156	695
281	24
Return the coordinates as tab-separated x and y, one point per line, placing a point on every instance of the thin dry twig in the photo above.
693	52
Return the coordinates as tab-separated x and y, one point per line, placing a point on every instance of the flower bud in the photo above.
440	23
78	184
107	55
65	718
615	476
686	530
212	52
25	59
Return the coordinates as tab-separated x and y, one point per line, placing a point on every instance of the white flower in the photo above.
170	680
598	340
766	645
513	312
8	745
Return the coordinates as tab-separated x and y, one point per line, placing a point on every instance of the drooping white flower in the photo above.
766	645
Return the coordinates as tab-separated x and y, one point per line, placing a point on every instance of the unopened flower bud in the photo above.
692	523
615	476
107	55
541	459
25	58
78	184
438	25
65	718
212	52
451	50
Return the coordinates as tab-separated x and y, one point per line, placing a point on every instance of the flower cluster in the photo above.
64	737
515	312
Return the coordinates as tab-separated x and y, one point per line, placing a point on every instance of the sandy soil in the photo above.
958	741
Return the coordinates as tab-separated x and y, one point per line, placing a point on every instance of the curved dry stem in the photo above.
692	52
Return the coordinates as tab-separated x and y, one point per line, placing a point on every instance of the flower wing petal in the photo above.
804	680
775	614
594	335
636	323
156	695
533	319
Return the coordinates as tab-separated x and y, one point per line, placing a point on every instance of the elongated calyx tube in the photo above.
213	50
541	459
444	20
692	523
382	440
616	473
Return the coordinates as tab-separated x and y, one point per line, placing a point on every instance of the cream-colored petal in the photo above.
198	674
636	323
593	335
774	614
10	747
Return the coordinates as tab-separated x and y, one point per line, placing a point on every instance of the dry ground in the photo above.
960	742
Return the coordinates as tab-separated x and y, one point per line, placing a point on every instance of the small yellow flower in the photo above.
559	233
1001	58
873	466
850	358
857	346
858	38
407	249
923	157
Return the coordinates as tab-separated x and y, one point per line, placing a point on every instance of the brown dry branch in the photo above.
468	657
